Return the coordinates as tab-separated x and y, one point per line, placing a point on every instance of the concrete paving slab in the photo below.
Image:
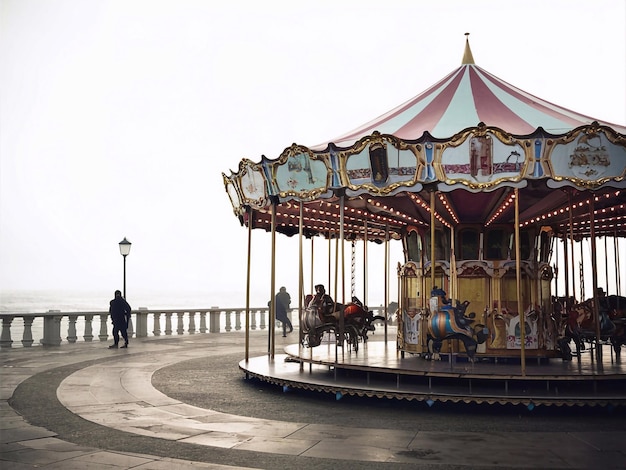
116	392
24	432
173	464
337	449
277	445
225	440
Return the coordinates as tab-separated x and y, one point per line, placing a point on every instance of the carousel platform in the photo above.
379	370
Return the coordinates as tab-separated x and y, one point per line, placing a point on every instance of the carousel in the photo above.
481	183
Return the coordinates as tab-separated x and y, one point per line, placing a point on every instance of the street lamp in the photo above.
124	250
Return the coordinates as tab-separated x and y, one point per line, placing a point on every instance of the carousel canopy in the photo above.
471	141
463	99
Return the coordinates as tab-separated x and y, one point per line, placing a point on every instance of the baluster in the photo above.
238	320
104	335
263	313
253	319
27	337
71	329
228	320
168	323
203	322
88	336
192	323
130	331
157	324
181	326
5	336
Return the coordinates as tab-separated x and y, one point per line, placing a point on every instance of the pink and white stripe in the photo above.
464	98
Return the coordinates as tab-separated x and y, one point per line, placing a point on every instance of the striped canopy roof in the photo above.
471	138
464	98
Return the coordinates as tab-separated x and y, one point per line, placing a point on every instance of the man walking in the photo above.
283	301
120	316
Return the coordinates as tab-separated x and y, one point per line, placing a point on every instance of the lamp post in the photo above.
124	250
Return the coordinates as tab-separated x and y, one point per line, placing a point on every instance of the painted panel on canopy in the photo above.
381	164
233	195
252	184
481	158
588	156
301	173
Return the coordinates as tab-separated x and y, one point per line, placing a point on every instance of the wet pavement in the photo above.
182	402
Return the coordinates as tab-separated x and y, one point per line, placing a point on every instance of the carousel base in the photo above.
379	370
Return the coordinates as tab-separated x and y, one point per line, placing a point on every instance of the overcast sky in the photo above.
117	118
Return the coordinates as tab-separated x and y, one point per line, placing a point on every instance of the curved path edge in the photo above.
109	403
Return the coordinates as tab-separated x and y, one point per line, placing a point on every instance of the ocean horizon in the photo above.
64	300
43	300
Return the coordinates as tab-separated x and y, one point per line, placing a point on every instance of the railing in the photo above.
46	328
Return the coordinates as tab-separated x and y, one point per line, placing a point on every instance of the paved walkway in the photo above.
83	406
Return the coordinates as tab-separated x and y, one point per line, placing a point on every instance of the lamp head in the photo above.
125	247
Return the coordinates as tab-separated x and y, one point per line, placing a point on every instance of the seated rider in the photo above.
439	292
322	301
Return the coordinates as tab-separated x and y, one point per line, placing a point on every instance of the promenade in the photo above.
181	402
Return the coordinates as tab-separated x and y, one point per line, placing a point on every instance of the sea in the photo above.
41	301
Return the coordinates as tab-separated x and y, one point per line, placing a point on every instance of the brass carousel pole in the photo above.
249	214
453	279
565	267
330	260
301	277
432	241
386	278
342	236
571	241
594	275
336	286
272	318
618	277
312	263
606	263
365	264
518	275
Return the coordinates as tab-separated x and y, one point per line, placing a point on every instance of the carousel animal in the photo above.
324	316
497	326
580	323
448	322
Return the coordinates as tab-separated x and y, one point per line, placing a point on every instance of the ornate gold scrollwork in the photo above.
301	173
588	156
482	157
380	163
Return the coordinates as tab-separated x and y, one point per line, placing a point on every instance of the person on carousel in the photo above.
322	301
439	292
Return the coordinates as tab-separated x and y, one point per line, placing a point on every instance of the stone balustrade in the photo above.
47	329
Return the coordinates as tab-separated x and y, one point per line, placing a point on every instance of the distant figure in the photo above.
283	300
322	301
120	316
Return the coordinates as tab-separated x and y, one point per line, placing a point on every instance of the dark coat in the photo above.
119	311
283	300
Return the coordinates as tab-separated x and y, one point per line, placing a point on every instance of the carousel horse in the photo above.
448	322
358	322
580	323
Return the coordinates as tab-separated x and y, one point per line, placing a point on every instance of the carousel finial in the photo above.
468	59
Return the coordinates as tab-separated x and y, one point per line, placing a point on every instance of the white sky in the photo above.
117	118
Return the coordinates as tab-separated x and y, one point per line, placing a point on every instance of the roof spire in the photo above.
468	59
